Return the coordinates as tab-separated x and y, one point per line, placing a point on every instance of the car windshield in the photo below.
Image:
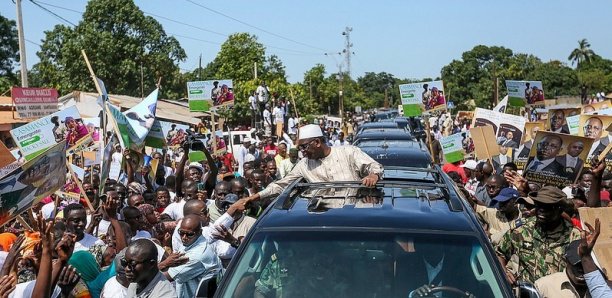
384	143
359	264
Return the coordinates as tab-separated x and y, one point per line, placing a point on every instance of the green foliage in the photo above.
120	42
582	53
557	79
9	53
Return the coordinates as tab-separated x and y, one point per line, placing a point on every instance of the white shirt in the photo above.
253	102
113	289
570	161
175	209
25	289
340	143
141	234
267	117
223	249
241	157
292	129
87	242
279	114
262	94
503	159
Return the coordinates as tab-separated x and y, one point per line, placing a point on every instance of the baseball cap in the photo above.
470	164
506	194
546	195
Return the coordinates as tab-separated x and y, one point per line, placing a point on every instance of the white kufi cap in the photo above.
310	131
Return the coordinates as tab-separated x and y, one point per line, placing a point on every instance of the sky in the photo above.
409	39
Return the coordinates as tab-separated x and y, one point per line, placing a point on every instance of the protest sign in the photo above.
521	154
594	127
335	122
485	146
521	93
557	119
603	247
33	181
573	124
167	127
204	95
34	102
452	147
37	136
596	107
508	128
91	158
465	115
556	159
120	124
423	96
155	138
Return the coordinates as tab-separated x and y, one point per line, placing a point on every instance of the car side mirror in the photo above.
527	290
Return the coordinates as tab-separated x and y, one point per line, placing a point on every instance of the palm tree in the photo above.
581	54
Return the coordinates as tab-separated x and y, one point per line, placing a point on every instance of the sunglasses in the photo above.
131	264
187	233
304	146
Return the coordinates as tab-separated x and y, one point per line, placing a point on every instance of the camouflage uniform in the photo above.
539	253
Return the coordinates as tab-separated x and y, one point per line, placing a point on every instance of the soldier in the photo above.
539	243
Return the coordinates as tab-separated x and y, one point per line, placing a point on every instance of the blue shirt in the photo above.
598	287
203	264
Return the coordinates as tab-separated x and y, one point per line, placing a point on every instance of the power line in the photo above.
290	51
36	44
53	13
255	27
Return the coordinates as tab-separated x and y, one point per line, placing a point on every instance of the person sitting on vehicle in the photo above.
322	163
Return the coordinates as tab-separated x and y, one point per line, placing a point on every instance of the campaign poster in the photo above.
335	122
141	118
206	95
452	147
596	107
508	128
521	154
33	181
34	102
169	131
594	127
501	106
557	119
105	167
155	138
37	136
556	159
522	93
423	96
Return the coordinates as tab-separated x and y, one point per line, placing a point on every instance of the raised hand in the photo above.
65	247
68	278
589	238
7	285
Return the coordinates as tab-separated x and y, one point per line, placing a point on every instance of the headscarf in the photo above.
145	209
87	267
136	188
6	240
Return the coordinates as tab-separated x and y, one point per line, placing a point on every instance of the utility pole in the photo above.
200	68
255	70
347	49
340	93
310	83
22	50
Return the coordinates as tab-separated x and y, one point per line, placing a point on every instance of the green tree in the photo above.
120	42
582	53
375	85
557	79
9	53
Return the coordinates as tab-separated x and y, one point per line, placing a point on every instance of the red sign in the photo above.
34	102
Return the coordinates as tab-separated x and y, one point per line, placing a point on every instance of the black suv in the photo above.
340	239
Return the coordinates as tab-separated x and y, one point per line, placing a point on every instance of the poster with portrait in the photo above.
594	127
508	128
557	119
423	96
208	95
452	147
521	154
333	122
33	181
556	159
596	107
522	93
35	137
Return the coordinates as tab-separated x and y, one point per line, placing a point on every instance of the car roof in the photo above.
426	206
380	124
410	154
384	134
